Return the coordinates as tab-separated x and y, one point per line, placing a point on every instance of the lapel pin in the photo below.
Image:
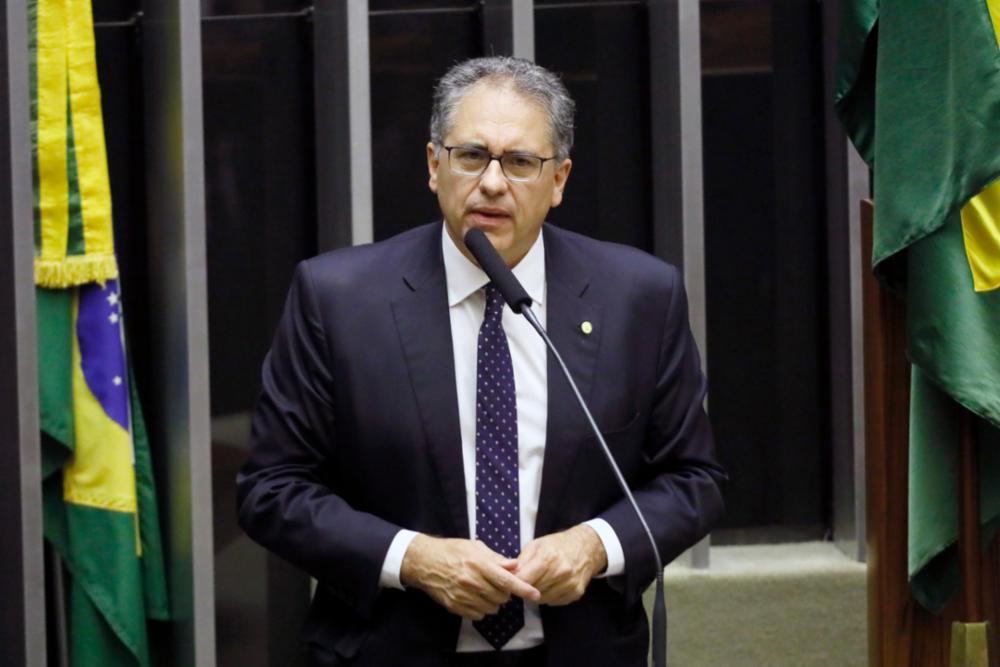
586	327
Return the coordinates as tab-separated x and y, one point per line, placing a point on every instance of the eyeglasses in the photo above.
473	161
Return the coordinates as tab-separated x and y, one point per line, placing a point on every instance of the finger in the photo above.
474	607
509	564
492	556
529	552
564	593
534	569
495	596
490	561
551	598
559	583
491	603
484	607
470	613
457	606
509	583
474	584
553	593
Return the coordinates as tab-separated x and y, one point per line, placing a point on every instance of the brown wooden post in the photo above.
972	637
887	399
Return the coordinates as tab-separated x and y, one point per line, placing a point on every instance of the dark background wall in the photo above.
765	257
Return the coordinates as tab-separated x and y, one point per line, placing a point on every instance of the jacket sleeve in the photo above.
284	498
679	488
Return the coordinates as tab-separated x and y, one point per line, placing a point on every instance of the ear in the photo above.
432	167
559	181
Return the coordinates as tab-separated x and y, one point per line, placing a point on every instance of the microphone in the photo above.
493	265
519	301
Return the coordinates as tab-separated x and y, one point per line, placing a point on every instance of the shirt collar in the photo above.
464	277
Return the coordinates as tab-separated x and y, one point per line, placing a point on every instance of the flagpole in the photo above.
58	610
971	640
969	548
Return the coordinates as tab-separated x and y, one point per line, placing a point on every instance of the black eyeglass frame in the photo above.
499	158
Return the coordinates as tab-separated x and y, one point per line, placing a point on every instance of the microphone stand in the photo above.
659	607
519	301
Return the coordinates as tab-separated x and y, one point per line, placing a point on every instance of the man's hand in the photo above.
561	565
465	577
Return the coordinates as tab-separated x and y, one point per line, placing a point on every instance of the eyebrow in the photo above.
479	145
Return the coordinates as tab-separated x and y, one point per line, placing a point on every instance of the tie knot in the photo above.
494	302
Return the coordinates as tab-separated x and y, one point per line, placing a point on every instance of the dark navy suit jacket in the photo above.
356	435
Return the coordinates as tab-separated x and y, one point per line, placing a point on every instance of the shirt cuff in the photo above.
389	578
612	546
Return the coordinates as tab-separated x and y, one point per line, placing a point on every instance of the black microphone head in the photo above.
499	273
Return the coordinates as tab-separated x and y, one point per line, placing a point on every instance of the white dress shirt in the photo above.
466	307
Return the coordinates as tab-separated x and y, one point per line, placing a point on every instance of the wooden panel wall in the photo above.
901	633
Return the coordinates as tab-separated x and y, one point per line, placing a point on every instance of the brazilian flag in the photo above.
919	95
99	498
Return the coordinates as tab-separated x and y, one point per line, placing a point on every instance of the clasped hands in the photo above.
471	580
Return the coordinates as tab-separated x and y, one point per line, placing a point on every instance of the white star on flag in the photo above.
117	381
113	318
113	298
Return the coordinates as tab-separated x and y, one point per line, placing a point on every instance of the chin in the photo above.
501	242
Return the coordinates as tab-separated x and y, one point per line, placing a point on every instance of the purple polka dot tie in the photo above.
498	521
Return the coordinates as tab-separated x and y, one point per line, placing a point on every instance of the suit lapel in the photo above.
422	320
567	310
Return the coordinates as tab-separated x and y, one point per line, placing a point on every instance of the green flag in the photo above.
920	96
854	98
99	499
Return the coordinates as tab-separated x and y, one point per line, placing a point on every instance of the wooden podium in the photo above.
901	633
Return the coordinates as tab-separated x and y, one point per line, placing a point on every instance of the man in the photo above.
418	453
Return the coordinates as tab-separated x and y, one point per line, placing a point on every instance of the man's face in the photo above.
500	120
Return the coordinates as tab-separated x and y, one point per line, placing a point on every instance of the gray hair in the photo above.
525	77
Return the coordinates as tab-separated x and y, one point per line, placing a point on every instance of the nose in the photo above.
492	182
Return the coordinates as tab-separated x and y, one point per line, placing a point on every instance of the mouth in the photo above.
488	216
